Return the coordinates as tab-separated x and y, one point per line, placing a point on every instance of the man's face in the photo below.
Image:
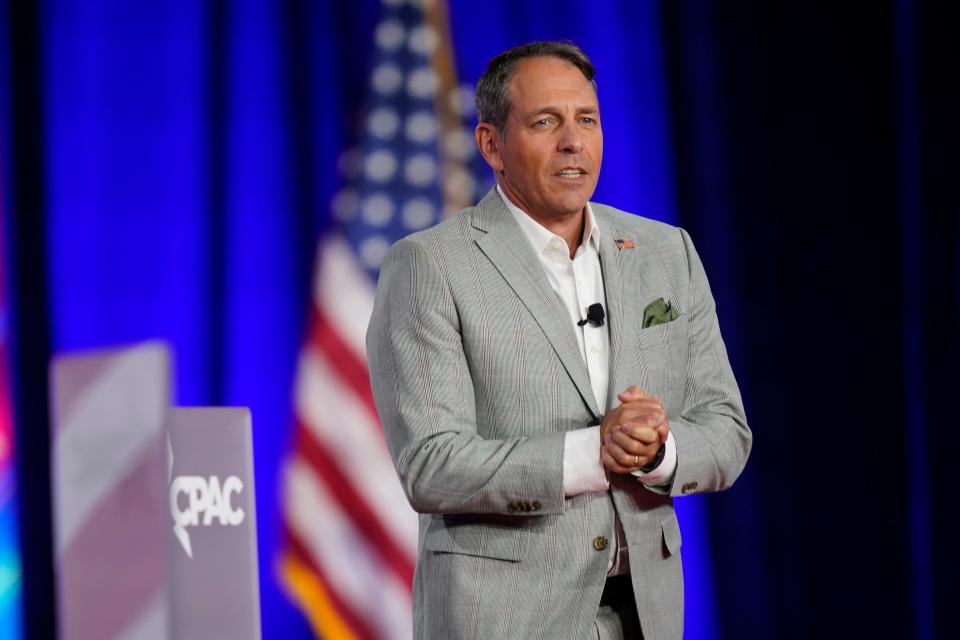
549	160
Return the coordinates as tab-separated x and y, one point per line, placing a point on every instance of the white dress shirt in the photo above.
579	283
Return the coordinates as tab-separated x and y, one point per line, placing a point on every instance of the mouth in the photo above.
571	172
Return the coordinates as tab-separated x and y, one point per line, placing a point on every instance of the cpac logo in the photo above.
203	496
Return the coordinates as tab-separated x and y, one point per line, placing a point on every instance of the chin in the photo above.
572	203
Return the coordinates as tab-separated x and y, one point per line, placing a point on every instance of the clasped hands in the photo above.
631	434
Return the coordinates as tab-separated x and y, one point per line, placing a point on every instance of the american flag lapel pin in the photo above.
623	243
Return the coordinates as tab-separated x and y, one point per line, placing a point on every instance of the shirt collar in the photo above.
540	237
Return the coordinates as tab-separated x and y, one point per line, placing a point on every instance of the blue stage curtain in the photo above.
816	160
191	153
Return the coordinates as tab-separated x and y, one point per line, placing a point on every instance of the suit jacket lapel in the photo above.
623	275
505	244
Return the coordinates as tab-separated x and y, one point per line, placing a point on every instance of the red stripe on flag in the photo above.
351	369
353	504
350	617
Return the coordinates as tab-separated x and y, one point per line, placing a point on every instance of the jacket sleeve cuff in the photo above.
662	475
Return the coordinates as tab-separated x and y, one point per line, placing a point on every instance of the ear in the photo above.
488	142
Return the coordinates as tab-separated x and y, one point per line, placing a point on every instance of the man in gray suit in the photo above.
550	375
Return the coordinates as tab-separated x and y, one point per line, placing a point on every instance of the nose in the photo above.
571	139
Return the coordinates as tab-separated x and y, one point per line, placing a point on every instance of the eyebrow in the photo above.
552	108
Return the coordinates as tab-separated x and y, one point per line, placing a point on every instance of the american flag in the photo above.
351	536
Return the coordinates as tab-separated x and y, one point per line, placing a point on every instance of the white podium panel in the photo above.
212	535
109	478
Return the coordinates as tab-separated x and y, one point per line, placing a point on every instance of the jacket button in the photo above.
512	507
536	505
690	487
600	543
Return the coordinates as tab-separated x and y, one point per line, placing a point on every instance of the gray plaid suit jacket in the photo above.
477	375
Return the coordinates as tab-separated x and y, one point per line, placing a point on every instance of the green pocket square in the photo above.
658	312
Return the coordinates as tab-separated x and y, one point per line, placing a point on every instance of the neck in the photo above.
568	226
570	229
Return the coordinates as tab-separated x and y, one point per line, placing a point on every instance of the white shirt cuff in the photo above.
663	473
582	469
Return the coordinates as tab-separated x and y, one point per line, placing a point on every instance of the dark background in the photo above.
809	148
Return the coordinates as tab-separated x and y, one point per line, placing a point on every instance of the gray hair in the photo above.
493	99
